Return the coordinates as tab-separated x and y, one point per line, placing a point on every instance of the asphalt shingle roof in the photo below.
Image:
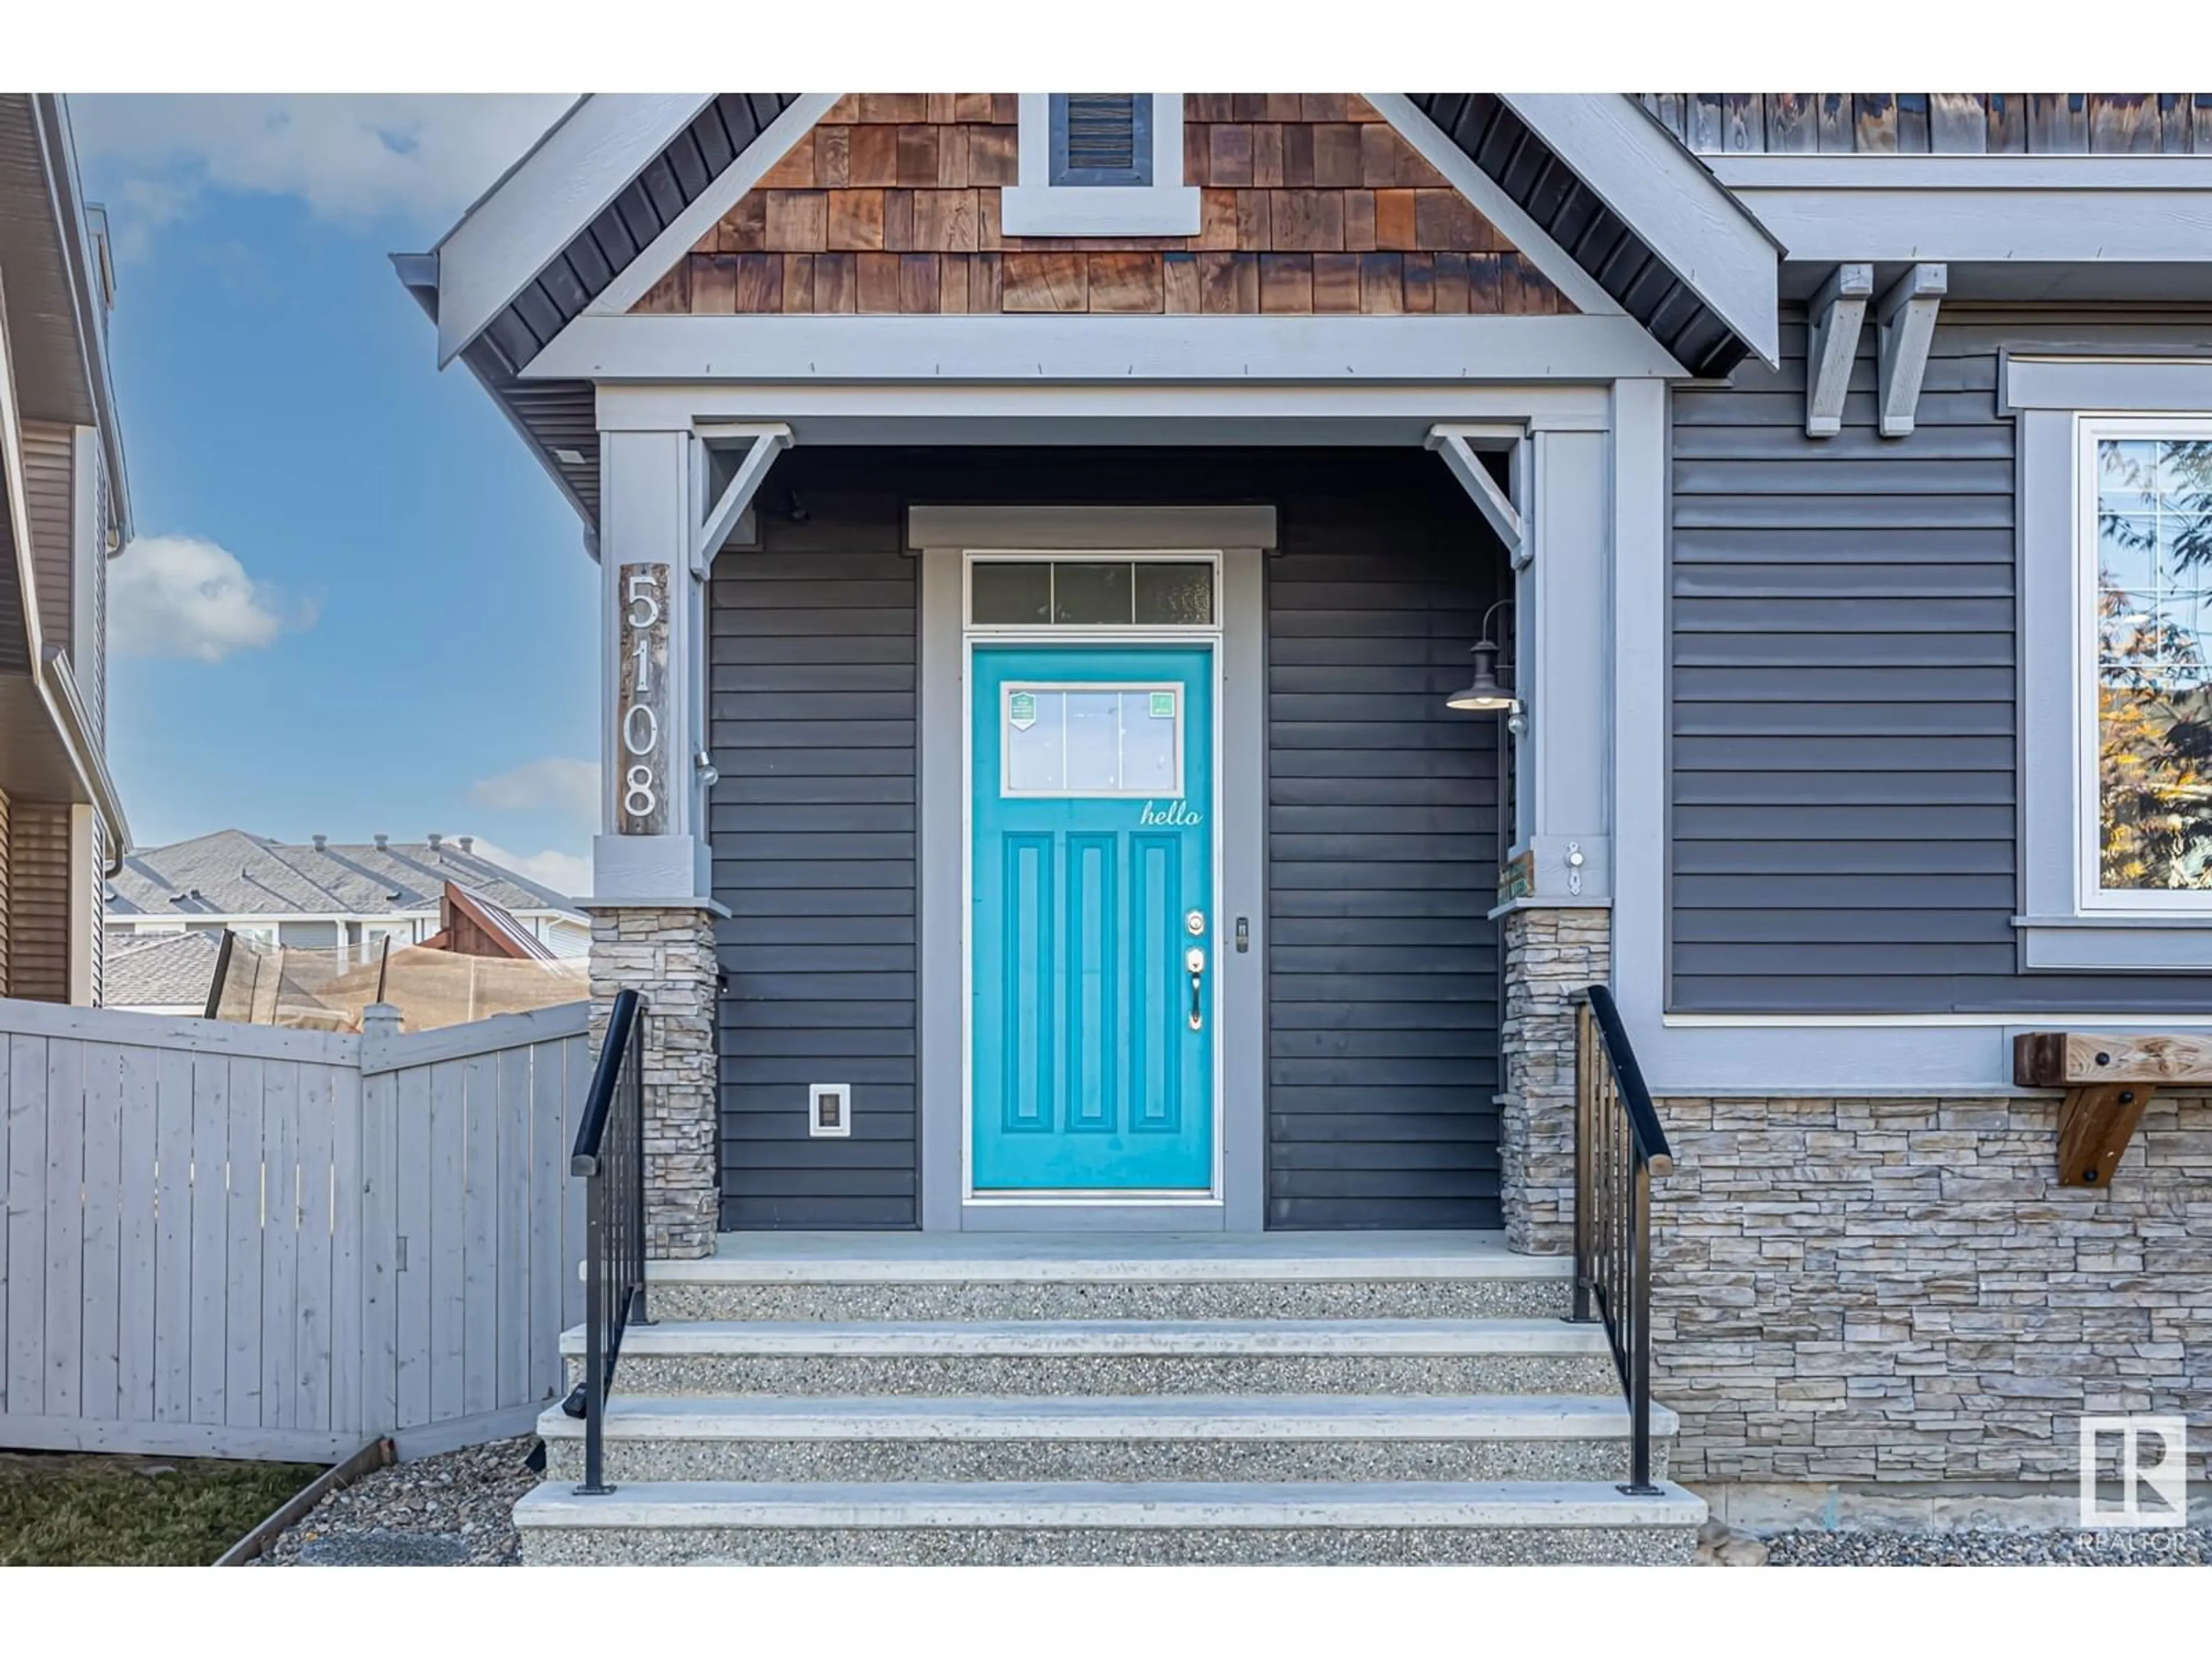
160	970
233	874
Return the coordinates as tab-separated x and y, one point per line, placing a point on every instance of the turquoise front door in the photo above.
1092	930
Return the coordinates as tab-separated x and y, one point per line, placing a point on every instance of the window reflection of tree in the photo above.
2154	692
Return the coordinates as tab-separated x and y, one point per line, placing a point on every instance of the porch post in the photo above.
1553	922
652	915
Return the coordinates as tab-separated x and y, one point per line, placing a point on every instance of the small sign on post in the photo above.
1517	877
642	734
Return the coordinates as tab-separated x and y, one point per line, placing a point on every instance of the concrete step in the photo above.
1111	1522
1262	1437
842	1277
1113	1357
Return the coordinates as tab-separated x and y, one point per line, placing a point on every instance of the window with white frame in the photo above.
2146	492
1100	164
2115	681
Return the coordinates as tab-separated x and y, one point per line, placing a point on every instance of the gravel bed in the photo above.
456	1510
2147	1547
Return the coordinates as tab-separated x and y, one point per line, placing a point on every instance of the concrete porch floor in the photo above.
849	1257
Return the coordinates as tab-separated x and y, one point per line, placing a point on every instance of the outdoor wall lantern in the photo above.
1484	694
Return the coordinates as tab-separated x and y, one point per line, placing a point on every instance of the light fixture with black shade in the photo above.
1484	694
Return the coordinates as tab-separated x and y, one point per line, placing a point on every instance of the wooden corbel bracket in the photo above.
2108	1081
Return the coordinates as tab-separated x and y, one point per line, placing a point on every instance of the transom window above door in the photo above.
1090	594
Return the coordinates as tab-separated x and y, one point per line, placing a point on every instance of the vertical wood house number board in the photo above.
641	703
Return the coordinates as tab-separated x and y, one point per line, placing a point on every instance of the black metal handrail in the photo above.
609	1154
1619	1146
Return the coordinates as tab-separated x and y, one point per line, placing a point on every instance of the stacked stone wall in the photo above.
668	955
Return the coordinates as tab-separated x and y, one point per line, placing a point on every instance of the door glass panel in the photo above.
1174	594
1152	733
1092	740
1006	592
1090	594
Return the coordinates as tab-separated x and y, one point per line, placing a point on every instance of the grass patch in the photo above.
82	1510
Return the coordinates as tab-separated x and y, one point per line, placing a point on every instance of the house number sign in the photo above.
642	732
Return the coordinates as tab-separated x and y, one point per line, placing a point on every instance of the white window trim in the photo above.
2067	923
1037	207
1009	790
2094	895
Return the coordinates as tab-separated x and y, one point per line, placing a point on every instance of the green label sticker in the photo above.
1021	710
1164	705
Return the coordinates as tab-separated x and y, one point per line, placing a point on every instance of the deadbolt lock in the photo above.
1193	922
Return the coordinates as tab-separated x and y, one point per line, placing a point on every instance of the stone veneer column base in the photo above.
668	955
1550	955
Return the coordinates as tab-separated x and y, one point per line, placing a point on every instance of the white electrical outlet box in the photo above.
828	1108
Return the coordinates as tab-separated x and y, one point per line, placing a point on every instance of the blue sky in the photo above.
354	603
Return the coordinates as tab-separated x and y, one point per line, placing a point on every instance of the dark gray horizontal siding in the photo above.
1383	863
1845	787
1381	824
812	719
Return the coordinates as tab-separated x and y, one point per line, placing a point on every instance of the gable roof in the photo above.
566	224
1637	212
550	235
231	873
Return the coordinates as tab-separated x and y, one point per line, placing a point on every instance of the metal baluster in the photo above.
594	1383
1639	1386
1585	1222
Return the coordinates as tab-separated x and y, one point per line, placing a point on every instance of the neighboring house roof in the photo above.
160	970
233	874
474	925
617	171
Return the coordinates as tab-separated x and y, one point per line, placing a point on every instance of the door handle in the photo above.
1193	962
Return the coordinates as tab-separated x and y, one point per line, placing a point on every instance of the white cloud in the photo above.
177	595
420	157
564	872
569	787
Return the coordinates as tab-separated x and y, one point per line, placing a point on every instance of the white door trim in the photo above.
1238	1200
1210	639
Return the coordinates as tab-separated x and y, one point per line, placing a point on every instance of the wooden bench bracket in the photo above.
2108	1081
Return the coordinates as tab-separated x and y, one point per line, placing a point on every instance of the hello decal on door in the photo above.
1175	815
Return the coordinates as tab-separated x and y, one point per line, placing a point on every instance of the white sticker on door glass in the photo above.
1092	740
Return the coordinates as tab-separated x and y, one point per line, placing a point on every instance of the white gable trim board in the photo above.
1667	197
1494	204
524	220
635	280
1063	350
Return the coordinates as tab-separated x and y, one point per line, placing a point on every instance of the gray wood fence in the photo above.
233	1240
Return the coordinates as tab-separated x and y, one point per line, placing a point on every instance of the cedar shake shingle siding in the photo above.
1937	123
1311	204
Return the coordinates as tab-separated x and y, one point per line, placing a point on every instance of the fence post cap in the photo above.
379	1019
